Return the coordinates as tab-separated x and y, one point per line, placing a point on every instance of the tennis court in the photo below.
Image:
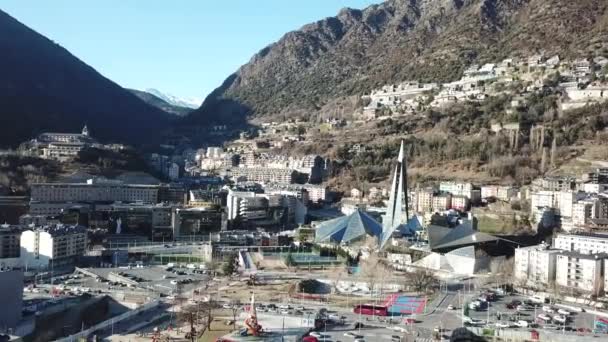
404	305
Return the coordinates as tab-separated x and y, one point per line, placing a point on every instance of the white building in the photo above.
543	198
461	189
567	199
94	190
581	272
63	146
52	246
582	243
581	213
214	152
535	265
316	193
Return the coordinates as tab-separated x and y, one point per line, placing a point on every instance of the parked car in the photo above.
502	325
563	312
548	309
559	319
318	335
352	334
544	317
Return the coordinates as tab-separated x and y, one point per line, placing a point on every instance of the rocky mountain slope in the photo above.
313	69
45	88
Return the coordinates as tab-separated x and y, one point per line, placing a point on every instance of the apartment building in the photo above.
535	265
581	272
460	203
555	183
544	198
53	246
581	213
424	200
461	189
263	175
10	248
94	190
442	202
581	243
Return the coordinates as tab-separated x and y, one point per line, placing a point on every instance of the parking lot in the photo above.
152	279
523	313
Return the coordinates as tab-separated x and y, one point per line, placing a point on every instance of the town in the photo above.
352	225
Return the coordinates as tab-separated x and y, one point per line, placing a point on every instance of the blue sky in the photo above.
184	47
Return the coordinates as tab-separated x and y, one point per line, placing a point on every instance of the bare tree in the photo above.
235	306
373	271
423	280
337	275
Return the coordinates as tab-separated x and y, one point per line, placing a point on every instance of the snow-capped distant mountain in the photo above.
187	102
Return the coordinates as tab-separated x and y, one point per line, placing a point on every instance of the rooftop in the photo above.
579	255
60	229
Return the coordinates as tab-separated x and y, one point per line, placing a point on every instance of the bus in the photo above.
370	309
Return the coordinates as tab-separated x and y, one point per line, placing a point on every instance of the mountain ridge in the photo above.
306	70
46	88
161	103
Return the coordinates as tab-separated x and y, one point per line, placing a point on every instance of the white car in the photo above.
544	317
227	306
548	309
559	319
318	335
563	312
522	324
352	334
451	307
284	306
173	282
334	316
284	312
502	325
399	329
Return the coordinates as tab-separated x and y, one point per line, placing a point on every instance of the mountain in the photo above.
160	103
43	87
185	102
315	68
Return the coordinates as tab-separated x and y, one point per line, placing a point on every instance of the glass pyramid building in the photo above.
348	229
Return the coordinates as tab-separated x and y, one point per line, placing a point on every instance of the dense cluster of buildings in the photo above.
573	264
570	203
577	80
248	165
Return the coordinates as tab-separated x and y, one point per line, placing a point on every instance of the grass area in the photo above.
490	225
